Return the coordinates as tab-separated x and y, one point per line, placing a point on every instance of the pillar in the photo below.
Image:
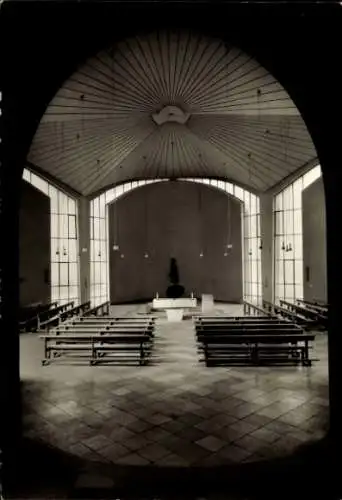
267	257
84	247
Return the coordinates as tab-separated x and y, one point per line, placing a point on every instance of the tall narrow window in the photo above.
288	238
64	272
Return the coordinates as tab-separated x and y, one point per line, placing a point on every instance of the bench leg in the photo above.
93	355
254	355
306	360
142	357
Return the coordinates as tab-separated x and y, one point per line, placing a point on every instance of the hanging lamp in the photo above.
146	254
200	220
116	246
229	244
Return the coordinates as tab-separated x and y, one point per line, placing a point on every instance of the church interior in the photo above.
174	311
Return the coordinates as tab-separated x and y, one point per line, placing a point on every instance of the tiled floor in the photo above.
176	412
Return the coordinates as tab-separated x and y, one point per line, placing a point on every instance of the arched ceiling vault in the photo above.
171	104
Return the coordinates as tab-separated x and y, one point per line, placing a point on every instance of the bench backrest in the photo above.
281	310
241	339
246	326
97	338
104	332
55	311
236	318
302	309
248	306
257	331
95	310
75	310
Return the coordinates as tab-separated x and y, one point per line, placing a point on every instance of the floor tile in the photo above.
153	452
211	443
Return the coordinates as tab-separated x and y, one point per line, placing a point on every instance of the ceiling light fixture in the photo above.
170	114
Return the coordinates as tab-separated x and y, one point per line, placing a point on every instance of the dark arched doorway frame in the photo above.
51	39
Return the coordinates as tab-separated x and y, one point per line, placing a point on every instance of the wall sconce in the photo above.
250	252
64	251
260	246
201	254
99	254
283	246
57	252
116	247
146	255
122	256
230	246
225	254
84	250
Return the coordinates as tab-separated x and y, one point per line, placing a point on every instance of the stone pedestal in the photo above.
207	303
174	314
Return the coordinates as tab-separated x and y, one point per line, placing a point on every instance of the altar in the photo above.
174	307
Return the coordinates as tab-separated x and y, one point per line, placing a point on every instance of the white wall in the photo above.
314	242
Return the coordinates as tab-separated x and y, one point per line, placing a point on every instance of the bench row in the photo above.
98	348
251	340
67	311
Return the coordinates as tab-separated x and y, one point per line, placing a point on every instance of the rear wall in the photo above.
165	220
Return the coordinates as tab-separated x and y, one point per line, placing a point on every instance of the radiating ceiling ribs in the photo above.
254	144
243	126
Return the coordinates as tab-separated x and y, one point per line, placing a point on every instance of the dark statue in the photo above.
174	290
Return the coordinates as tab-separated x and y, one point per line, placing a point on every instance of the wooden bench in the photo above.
75	311
257	349
113	320
124	323
100	310
285	313
51	317
146	330
253	309
314	305
97	348
29	316
316	317
241	327
242	320
317	305
204	334
89	323
103	324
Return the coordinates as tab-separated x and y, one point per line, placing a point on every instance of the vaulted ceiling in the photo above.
171	104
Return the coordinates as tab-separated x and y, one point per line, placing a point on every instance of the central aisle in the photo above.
175	343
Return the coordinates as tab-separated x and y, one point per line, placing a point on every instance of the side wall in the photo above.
314	242
34	246
165	220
